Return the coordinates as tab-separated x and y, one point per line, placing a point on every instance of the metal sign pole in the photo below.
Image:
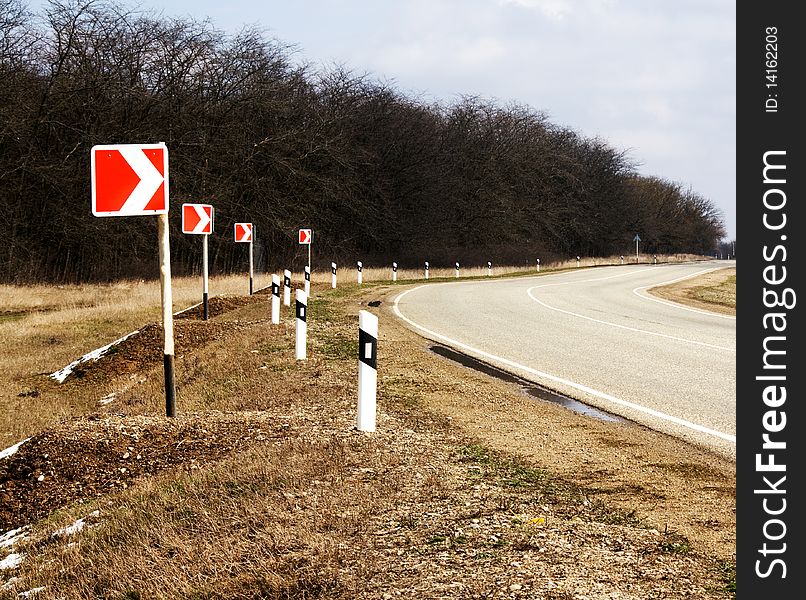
204	276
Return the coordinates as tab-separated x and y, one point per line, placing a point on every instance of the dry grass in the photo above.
419	509
714	291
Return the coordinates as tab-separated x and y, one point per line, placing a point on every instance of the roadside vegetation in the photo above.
375	173
262	488
714	291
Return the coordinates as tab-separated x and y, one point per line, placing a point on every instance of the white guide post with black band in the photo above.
360	272
489	268
457	269
577	261
167	315
287	287
307	280
367	370
427	267
275	298
622	259
302	324
333	275
394	271
538	265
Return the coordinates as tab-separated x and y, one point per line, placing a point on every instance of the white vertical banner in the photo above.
333	275
287	287
367	370
394	271
275	298
302	324
307	280
360	272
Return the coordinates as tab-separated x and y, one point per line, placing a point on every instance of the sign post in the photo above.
636	239
197	219
394	271
244	233
307	280
132	180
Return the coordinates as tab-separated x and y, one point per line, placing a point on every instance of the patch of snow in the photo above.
9	538
12	561
62	374
107	399
12	449
30	593
75	527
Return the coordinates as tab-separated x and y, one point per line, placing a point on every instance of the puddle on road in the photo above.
527	386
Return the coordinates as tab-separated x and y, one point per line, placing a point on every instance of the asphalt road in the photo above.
595	335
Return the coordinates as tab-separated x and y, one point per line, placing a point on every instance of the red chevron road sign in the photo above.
197	218
243	232
129	180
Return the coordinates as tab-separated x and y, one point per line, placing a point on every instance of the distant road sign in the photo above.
197	218
129	180
305	236
243	232
636	238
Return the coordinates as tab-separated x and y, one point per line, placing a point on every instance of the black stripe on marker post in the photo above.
301	313
367	349
286	281
170	385
275	289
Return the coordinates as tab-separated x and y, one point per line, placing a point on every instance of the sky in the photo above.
652	77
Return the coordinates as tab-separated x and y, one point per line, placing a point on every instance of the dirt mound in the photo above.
98	454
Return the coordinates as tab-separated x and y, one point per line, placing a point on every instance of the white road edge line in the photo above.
637	291
626	327
554	378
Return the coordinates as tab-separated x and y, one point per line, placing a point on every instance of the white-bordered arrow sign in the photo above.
129	180
197	218
243	232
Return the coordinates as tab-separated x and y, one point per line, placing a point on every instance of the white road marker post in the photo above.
333	275
302	324
287	287
538	265
394	271
426	269
167	314
457	269
622	259
360	272
654	259
489	268
307	280
367	370
275	299
577	261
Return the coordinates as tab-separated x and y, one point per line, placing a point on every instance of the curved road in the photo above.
597	336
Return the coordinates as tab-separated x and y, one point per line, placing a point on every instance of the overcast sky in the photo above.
654	77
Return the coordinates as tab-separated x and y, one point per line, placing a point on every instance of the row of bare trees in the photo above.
378	175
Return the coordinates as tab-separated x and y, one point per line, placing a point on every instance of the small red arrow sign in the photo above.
129	180
243	232
197	218
305	236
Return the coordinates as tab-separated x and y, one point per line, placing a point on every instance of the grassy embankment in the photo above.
312	508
